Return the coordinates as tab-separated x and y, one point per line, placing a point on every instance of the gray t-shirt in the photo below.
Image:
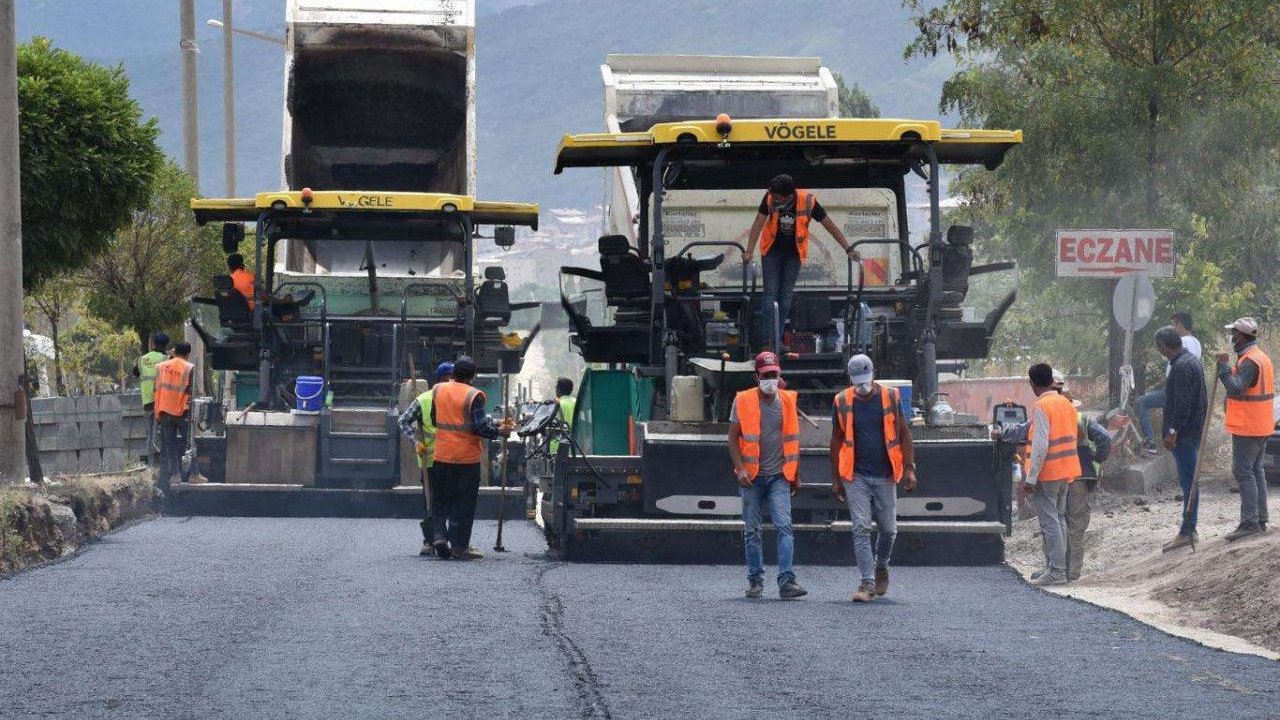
770	433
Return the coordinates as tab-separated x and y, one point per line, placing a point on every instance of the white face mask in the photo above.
769	386
863	389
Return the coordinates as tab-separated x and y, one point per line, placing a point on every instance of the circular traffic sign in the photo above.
1134	302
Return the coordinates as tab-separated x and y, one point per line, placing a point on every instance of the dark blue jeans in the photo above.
774	492
780	273
1185	453
1153	400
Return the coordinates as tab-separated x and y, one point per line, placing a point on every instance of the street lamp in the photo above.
228	87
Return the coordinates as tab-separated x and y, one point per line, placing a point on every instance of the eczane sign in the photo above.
1115	253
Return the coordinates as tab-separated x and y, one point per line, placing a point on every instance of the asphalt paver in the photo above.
335	618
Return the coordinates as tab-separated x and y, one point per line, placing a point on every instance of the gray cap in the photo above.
860	369
1246	325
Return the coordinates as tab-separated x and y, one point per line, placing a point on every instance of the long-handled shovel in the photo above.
502	494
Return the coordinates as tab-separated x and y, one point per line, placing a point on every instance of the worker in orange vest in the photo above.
871	456
458	415
764	446
173	412
241	279
1051	465
1250	419
782	228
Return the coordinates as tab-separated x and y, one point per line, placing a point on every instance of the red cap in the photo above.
767	362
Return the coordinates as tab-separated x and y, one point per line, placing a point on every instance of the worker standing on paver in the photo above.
145	370
457	412
764	446
567	403
1250	389
871	453
1052	463
782	228
1185	409
173	412
417	425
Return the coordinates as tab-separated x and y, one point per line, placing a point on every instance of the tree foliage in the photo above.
156	262
56	301
87	158
1136	113
854	101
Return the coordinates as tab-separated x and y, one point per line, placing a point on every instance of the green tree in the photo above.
1156	113
87	158
156	262
854	101
57	301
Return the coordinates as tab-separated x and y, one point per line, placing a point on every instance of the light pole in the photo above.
190	121
228	86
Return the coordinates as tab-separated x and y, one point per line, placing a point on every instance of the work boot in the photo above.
1048	579
1183	540
427	549
866	592
1262	526
442	548
791	590
1243	531
1037	574
882	581
755	589
468	553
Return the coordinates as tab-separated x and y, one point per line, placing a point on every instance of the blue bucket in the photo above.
310	392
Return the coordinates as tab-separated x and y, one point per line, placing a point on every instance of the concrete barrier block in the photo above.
68	436
1142	477
130	403
66	462
90	434
64	406
113	459
112	433
109	404
134	427
43	406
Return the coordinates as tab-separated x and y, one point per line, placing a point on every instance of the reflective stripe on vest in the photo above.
892	443
1062	461
173	380
147	374
804	208
1252	415
428	429
748	404
456	441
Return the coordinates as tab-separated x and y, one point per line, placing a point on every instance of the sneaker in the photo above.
468	553
1048	579
1181	541
1262	526
442	548
882	581
1037	574
866	592
755	589
427	549
791	590
1243	531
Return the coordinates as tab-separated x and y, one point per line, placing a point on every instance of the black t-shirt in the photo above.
784	241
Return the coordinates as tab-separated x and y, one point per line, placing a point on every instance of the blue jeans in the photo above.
774	490
780	273
1185	453
1152	400
868	499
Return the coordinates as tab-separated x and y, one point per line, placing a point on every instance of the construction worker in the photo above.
782	228
1093	447
1250	419
417	425
241	279
564	396
871	453
173	412
1051	464
764	447
1181	323
1185	410
145	370
457	412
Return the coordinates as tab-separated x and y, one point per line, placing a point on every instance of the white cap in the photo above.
1059	379
1246	325
860	369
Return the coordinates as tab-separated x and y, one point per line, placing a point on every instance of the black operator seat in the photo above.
233	308
493	299
627	282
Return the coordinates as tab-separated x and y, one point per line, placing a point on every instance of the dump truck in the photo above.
375	229
645	473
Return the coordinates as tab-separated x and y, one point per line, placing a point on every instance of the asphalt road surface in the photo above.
287	618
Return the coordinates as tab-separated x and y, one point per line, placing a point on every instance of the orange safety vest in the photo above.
1252	414
892	443
173	387
242	281
804	207
456	440
748	404
1062	462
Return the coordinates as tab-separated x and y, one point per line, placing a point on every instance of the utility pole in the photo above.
190	122
13	400
228	98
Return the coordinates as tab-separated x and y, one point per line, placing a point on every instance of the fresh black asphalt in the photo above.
327	618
